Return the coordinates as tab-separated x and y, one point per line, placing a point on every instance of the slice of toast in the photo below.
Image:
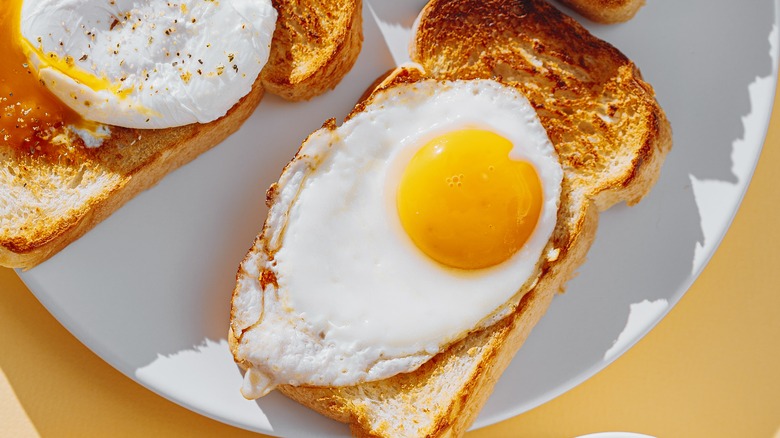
314	46
48	202
611	137
606	11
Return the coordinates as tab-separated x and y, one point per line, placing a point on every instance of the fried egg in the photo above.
145	63
420	219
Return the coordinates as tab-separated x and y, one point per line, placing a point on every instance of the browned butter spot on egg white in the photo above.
268	277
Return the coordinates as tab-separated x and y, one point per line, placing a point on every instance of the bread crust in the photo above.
611	136
606	11
99	181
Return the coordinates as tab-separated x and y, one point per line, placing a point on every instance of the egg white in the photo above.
175	62
354	299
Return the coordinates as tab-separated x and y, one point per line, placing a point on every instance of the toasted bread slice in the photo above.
611	136
315	45
606	11
48	202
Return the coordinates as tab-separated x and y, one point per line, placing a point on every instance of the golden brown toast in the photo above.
606	11
314	46
611	137
48	202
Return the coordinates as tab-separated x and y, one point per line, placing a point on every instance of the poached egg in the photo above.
146	63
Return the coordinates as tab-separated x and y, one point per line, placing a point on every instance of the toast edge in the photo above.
606	11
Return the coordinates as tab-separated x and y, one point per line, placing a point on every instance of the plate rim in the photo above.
549	395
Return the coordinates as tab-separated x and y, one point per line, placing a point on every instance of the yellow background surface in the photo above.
711	368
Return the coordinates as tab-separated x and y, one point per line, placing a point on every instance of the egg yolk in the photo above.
465	203
30	115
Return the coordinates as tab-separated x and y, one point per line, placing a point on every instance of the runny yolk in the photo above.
29	113
465	203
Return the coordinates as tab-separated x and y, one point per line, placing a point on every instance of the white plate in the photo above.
148	289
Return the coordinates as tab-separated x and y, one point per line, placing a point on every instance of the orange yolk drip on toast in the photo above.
465	203
30	115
